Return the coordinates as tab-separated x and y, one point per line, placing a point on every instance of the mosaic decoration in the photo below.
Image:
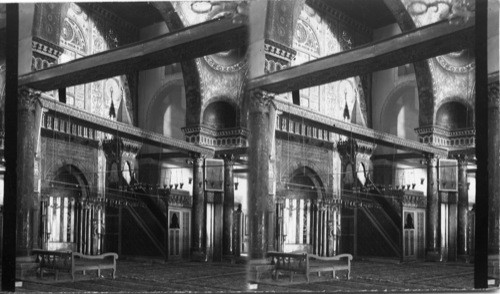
82	35
321	35
196	12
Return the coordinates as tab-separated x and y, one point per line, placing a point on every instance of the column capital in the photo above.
431	160
462	159
228	158
261	98
197	156
493	97
28	98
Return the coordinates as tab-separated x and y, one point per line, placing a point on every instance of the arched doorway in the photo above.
71	220
303	219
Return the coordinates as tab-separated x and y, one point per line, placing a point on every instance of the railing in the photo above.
145	228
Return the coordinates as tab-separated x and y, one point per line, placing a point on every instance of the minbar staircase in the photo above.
379	227
146	225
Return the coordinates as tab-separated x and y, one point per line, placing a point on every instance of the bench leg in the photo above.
307	277
57	275
73	276
98	272
348	274
113	273
333	274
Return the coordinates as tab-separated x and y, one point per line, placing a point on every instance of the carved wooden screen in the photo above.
71	224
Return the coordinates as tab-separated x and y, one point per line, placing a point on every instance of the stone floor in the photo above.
183	276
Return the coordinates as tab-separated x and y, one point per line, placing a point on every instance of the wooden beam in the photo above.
397	156
356	131
123	130
411	46
192	42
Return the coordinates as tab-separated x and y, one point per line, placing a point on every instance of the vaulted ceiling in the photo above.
372	13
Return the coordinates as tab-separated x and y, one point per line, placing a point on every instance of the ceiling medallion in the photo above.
456	62
201	6
225	68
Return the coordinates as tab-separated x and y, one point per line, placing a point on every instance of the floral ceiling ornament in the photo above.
455	11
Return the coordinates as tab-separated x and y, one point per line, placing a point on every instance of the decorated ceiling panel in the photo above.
85	32
222	74
453	74
317	35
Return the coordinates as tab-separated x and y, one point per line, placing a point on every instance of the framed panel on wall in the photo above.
448	175
214	175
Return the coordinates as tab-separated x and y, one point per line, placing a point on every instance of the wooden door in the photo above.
409	236
178	233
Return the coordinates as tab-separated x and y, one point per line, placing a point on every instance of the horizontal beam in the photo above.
123	130
397	156
185	44
420	44
358	132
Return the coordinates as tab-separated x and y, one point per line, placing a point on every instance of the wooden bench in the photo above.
71	262
289	262
304	263
332	264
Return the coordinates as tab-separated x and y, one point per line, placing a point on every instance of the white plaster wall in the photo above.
382	81
149	80
159	83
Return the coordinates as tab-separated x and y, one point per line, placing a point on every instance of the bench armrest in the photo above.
101	256
336	257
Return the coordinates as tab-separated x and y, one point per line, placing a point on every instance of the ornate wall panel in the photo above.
59	152
322	31
91	30
216	75
294	155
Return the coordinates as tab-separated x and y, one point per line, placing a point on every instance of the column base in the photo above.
199	256
434	256
494	268
26	266
464	258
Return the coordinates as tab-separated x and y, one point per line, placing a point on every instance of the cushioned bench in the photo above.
71	262
289	262
304	263
332	264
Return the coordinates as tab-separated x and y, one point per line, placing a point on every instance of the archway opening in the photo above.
220	115
454	115
70	219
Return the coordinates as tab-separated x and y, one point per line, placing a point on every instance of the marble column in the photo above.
463	208
261	114
493	179
27	201
432	211
227	225
198	227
